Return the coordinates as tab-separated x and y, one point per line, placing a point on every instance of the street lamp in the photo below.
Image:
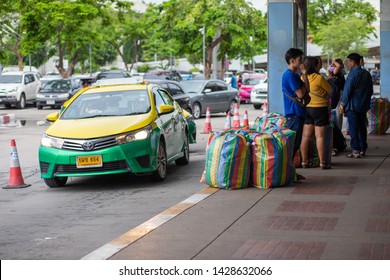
203	30
253	60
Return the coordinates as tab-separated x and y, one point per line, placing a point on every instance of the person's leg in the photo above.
308	130
296	123
362	132
320	139
353	122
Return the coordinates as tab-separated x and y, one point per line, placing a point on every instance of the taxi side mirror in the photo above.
166	109
52	117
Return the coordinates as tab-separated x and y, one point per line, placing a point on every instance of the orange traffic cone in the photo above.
207	125
246	121
265	108
236	117
15	174
228	123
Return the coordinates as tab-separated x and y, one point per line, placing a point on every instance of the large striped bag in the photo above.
379	116
269	120
227	161
272	153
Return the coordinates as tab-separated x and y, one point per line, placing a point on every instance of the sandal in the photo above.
324	166
362	154
354	155
305	165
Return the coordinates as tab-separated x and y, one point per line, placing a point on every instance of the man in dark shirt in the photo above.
355	102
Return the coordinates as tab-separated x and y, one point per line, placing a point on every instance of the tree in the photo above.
328	19
180	22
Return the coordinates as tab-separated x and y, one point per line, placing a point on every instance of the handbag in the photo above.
301	102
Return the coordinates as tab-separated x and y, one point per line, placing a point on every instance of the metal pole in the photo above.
29	61
204	48
90	59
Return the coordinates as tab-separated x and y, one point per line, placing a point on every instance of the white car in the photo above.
259	94
16	88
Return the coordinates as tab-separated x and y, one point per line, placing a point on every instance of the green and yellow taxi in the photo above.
111	129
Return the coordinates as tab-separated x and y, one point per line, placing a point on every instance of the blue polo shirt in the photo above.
291	82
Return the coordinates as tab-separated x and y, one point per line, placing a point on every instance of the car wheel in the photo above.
197	111
22	102
257	106
55	182
186	150
231	107
39	107
161	173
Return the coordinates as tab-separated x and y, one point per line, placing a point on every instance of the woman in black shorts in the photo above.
317	112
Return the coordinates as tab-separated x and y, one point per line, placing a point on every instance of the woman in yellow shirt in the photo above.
317	112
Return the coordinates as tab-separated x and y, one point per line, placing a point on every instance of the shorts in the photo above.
317	116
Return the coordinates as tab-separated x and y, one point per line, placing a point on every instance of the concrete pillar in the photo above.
216	63
287	23
385	48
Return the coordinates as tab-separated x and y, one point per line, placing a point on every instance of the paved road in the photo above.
70	222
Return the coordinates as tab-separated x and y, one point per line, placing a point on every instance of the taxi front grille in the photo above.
107	166
89	145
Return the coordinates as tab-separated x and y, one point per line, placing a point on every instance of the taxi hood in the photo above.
97	127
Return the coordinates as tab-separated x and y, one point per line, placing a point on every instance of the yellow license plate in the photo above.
89	161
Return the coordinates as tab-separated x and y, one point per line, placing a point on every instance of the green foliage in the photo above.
143	68
341	27
339	36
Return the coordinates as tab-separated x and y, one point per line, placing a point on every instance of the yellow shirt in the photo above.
319	87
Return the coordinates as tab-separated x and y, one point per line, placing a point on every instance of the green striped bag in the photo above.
227	161
272	158
379	116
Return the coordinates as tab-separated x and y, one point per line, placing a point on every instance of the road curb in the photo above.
126	239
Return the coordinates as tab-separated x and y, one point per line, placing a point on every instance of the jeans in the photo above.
357	122
296	123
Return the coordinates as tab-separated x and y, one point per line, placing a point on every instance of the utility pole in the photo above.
90	59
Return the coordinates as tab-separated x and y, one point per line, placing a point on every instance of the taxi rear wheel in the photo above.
186	152
55	182
161	172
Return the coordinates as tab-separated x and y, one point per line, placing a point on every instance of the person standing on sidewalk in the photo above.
355	102
295	88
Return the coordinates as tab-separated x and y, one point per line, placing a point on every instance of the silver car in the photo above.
215	94
259	94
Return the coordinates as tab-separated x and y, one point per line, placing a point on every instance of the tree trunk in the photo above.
20	60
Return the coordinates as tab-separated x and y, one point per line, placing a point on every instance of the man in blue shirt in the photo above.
294	87
233	81
355	102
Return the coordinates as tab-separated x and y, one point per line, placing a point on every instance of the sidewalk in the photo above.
341	213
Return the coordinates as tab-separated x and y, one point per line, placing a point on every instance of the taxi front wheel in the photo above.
161	173
55	182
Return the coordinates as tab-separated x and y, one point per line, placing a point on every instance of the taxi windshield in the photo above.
108	104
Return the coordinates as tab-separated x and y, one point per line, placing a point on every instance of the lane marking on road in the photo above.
126	239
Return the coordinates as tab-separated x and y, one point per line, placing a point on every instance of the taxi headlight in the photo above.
133	136
52	142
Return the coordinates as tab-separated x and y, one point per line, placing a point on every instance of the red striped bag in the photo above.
272	158
379	116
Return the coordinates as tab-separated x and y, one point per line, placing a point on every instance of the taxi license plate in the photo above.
50	102
89	161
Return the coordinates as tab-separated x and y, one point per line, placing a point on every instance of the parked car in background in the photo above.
259	94
160	74
175	90
56	91
112	129
47	78
17	88
85	80
215	94
112	74
185	75
248	82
